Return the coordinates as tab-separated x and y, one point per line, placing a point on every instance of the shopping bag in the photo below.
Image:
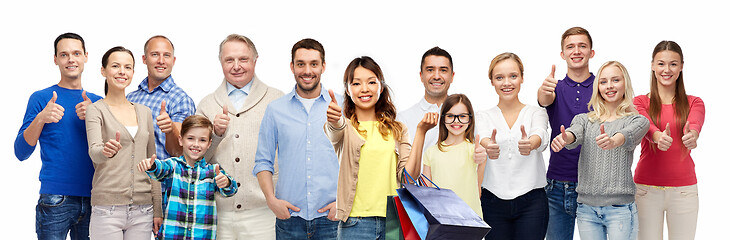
392	223
408	231
413	209
448	216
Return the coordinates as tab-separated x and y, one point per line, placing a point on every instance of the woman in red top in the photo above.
665	175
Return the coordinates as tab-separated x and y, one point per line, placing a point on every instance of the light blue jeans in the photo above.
616	222
562	200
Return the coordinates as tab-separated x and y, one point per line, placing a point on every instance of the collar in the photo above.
322	93
166	85
426	106
246	89
587	83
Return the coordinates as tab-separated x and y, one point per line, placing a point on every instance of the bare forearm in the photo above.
413	166
172	144
266	183
33	132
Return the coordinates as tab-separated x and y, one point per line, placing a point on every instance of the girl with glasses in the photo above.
513	198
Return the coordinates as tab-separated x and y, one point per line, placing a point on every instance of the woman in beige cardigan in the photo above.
120	135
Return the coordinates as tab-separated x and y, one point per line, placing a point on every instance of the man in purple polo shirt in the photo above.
563	100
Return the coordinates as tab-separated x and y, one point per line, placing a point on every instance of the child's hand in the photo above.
690	137
492	147
112	146
664	139
146	164
604	141
220	122
220	179
524	145
334	111
480	154
559	141
429	121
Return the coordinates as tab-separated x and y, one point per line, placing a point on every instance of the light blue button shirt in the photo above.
238	95
308	165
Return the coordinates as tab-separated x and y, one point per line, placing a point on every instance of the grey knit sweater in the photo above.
604	176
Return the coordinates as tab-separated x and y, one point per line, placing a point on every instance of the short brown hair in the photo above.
308	43
576	31
157	36
195	121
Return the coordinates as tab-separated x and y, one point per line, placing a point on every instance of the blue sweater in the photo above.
67	168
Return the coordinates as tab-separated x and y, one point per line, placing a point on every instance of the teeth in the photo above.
365	98
437	84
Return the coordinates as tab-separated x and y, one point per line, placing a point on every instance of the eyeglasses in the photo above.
462	118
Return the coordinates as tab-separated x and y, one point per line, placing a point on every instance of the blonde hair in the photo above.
505	56
238	38
597	105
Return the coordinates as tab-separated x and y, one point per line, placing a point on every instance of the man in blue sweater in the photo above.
66	174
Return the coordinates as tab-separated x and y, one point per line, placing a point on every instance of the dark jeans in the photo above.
362	228
298	228
57	215
563	201
524	218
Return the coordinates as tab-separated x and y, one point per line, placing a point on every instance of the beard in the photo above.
306	88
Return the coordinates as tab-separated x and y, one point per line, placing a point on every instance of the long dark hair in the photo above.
450	102
681	103
105	61
384	109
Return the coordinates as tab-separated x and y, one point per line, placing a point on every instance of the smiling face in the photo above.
611	85
667	65
457	119
506	79
159	57
577	51
70	58
436	75
238	63
195	143
119	70
307	68
364	88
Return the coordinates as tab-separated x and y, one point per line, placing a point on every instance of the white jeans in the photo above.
248	224
126	222
680	204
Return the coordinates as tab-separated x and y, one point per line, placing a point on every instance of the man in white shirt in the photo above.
437	73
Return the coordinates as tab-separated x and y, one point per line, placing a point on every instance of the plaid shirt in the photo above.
190	212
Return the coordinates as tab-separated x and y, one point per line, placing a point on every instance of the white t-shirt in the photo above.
413	115
512	174
307	102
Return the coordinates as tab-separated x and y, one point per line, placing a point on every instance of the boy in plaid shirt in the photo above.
191	212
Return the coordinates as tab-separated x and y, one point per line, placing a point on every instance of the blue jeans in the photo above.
361	228
525	217
56	215
298	228
562	200
619	222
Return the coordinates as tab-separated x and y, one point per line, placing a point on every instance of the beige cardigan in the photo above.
347	143
116	180
236	149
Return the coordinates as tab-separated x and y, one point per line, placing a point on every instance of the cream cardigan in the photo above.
236	149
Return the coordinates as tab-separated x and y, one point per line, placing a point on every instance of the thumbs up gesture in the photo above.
664	139
548	86
147	164
559	141
220	123
163	120
524	145
221	180
81	107
112	146
480	153
492	148
605	142
53	112
690	137
334	111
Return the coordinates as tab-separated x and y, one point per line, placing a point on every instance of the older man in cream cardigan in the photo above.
236	109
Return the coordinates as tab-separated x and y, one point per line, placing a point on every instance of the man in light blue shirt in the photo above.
304	202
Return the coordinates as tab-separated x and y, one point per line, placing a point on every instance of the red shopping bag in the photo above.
409	232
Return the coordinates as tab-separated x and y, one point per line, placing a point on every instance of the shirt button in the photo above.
578	91
309	176
238	184
308	159
575	99
308	142
238	206
236	135
238	159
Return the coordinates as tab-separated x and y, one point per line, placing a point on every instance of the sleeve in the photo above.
336	133
577	127
634	131
156	188
23	150
232	187
267	144
163	169
94	134
403	151
539	127
183	108
427	155
696	117
642	106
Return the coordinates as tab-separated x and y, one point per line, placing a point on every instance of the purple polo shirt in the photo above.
571	98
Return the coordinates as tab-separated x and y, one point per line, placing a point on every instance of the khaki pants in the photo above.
680	205
126	222
248	224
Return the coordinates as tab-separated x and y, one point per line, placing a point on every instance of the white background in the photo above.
394	33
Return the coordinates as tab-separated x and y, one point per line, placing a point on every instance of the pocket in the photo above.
351	221
146	209
641	191
101	211
51	200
